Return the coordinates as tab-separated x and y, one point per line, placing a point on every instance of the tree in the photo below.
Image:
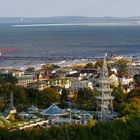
1	104
137	78
132	107
99	64
119	99
89	65
64	96
20	99
122	65
2	81
49	96
86	98
33	96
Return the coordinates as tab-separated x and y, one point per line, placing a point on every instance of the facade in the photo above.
64	83
25	80
38	85
75	76
114	80
76	85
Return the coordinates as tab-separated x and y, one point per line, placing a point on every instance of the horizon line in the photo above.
69	16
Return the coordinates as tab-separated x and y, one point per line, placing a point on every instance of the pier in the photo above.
44	58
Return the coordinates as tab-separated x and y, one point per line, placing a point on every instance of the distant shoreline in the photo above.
75	24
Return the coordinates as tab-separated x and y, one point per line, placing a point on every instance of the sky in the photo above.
49	8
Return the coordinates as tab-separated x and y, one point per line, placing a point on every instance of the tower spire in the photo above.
11	100
104	62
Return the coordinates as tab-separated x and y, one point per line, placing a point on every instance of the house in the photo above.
114	70
33	109
25	80
13	72
75	76
38	85
88	71
76	85
114	80
16	72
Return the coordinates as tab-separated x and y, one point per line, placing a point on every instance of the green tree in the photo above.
20	99
86	98
137	78
49	96
33	96
1	104
122	66
89	65
99	64
64	96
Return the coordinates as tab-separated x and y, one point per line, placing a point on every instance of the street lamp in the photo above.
69	110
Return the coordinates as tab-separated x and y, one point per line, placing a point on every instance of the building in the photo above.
76	85
38	85
75	76
114	80
25	80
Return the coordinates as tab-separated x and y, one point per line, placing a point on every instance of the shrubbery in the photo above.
114	130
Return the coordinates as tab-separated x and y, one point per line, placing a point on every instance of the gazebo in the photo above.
32	109
53	110
23	114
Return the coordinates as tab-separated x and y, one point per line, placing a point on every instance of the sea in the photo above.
68	40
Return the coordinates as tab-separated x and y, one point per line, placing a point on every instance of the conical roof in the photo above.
53	110
23	114
32	108
84	113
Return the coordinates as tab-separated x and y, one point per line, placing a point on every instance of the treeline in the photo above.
114	130
24	97
83	99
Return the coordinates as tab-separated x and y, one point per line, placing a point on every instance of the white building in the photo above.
114	70
114	80
75	85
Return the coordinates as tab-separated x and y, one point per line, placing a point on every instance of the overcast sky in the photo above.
47	8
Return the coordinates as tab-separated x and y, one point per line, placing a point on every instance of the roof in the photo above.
53	110
32	108
88	71
84	113
85	81
23	114
73	75
57	87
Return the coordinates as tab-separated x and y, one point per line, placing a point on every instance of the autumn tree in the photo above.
1	104
89	65
86	98
99	64
49	96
